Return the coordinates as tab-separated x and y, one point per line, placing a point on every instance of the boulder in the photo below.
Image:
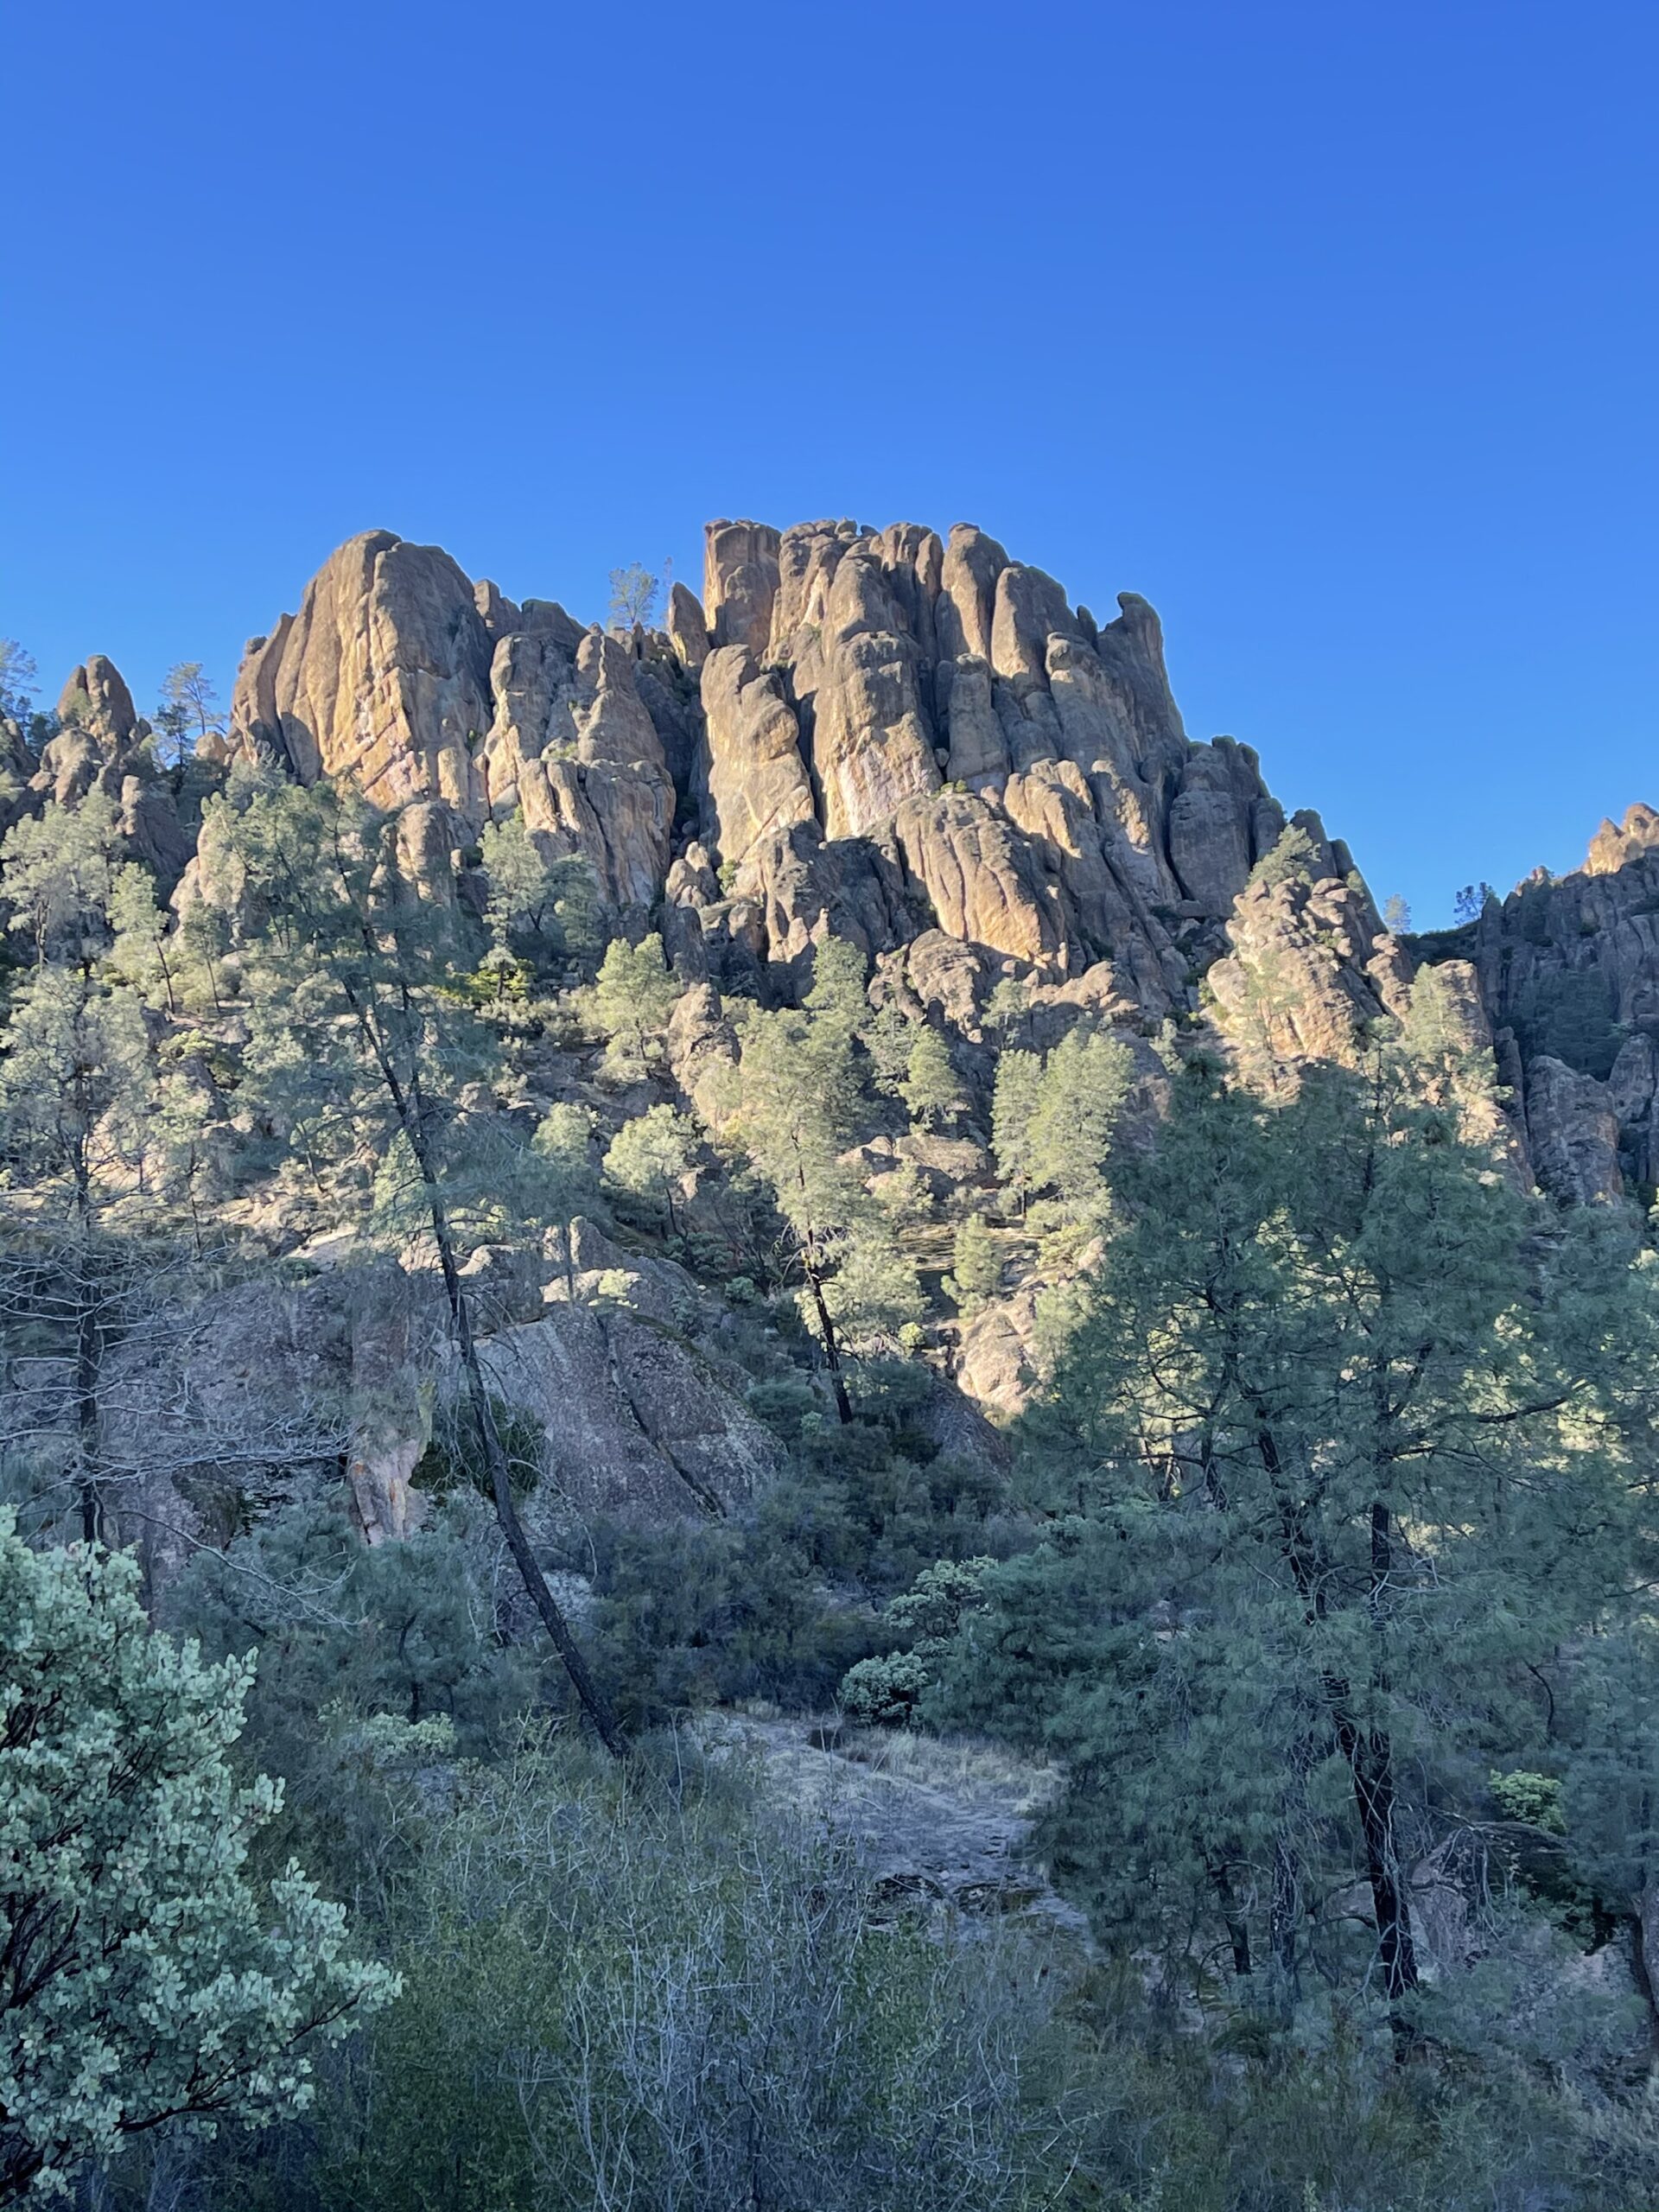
983	877
687	626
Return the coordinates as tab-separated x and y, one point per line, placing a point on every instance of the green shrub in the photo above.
643	1990
884	1693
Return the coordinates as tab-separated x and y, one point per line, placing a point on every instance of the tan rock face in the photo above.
102	746
607	798
424	689
802	723
687	628
978	752
997	1365
799	888
96	699
872	745
757	780
1614	845
809	555
983	877
739	582
845	674
383	677
98	727
637	1419
971	566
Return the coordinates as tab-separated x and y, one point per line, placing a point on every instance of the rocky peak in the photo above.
846	706
1614	845
919	742
102	745
383	676
96	701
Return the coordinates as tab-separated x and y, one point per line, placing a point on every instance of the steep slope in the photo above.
918	745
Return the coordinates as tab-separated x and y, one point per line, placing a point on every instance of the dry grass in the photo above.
969	1768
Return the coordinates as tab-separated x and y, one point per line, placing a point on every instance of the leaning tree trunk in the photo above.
831	1349
593	1701
410	1110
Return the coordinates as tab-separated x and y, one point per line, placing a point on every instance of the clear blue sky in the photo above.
1328	326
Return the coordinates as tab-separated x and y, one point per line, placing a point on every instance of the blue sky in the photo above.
1330	327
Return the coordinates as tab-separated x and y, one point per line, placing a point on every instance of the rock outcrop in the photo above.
845	707
102	744
945	707
382	676
907	740
918	743
1569	971
419	686
1309	971
912	743
757	780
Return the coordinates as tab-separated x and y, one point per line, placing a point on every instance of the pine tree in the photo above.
975	1264
189	710
836	994
649	1159
77	1096
144	949
564	1179
60	870
540	909
1292	859
1052	1119
798	1102
632	1000
1338	1461
1085	1081
1007	1010
1014	1107
931	1089
364	1034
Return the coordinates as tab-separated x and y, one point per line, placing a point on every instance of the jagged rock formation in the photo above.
100	745
918	744
1568	974
418	685
1310	965
1027	770
923	730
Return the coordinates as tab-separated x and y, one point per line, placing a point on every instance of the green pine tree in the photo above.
364	1038
1335	1464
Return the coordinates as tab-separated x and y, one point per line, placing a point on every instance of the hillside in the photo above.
820	1200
